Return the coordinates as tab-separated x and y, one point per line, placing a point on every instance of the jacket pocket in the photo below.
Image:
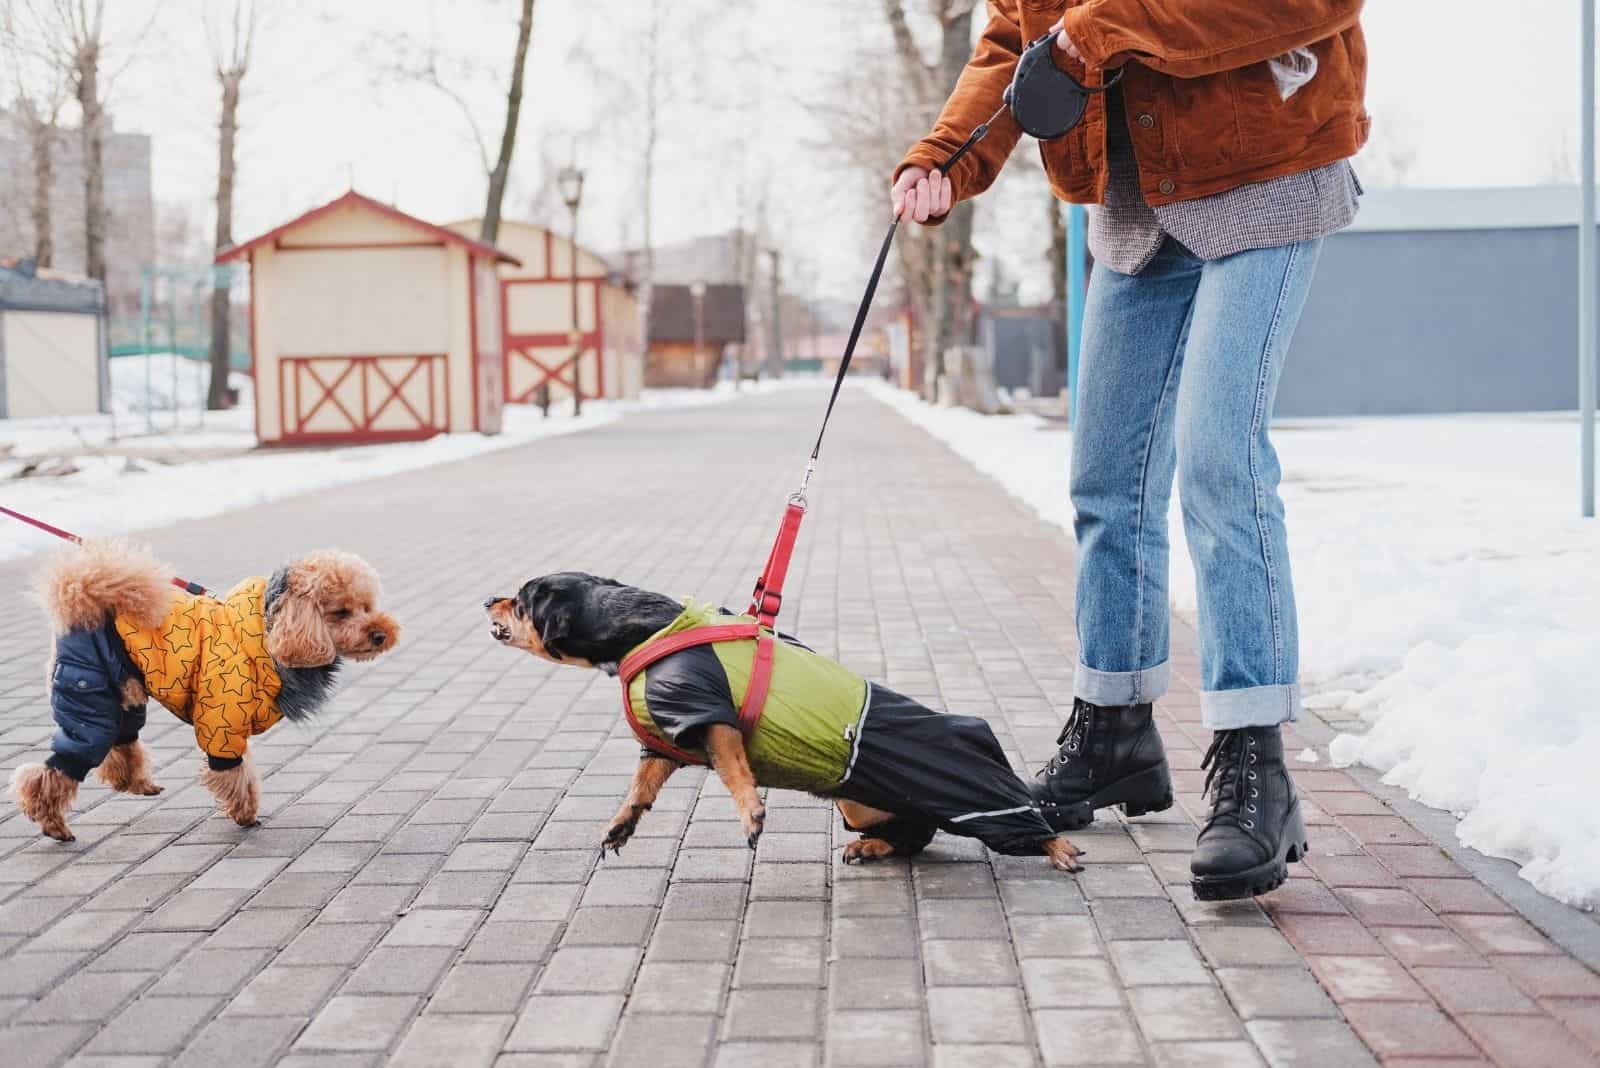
1207	126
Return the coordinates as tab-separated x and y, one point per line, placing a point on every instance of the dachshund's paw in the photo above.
1063	855
754	821
145	789
864	849
622	828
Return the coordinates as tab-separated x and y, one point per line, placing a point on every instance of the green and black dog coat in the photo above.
825	730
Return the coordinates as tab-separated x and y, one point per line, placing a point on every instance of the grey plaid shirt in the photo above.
1125	232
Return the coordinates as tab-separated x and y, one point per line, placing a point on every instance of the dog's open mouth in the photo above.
500	632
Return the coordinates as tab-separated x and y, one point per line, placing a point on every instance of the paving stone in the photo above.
1070	982
153	1025
772	1013
504	943
670	1042
1309	1044
876	1038
400	970
686	987
356	1023
868	983
693	940
490	988
566	1022
86	997
1396	1029
211	971
976	1014
1055	936
1365	979
951	962
260	929
241	1042
283	990
43	1045
1136	917
1174	1013
781	962
1240	1054
366	904
32	974
1241	946
589	970
434	927
625	926
785	919
1275	991
766	1055
332	943
436	1040
1088	1037
952	1055
1158	963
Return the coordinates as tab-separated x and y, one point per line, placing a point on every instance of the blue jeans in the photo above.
1178	373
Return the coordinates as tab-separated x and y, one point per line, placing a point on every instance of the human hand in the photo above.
920	195
1064	43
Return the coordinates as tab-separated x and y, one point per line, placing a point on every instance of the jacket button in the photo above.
83	684
1166	185
1147	120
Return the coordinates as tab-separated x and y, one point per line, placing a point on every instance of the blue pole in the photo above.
1077	282
1586	272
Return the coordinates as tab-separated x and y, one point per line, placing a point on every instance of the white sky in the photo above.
1486	89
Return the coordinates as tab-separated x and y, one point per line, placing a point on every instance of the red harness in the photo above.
764	605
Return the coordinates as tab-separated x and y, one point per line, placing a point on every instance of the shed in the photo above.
536	318
1442	300
371	325
689	335
53	356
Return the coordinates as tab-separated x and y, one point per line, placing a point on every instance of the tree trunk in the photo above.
952	241
94	180
227	131
41	139
1058	281
490	232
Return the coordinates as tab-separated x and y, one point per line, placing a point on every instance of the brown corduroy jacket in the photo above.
1204	112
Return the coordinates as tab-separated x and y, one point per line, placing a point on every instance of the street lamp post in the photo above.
570	182
698	291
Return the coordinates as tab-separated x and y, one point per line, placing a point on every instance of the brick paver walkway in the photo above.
425	886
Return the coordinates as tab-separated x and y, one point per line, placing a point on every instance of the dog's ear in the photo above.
298	636
549	610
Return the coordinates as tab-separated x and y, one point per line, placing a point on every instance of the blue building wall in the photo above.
1438	320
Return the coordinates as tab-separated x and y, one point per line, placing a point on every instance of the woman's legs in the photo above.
1123	457
1244	314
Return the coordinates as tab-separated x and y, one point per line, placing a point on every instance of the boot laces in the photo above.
1070	740
1231	778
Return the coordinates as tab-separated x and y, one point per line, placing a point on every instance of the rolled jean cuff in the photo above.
1257	706
1120	687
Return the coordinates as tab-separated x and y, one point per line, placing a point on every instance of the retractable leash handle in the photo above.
66	535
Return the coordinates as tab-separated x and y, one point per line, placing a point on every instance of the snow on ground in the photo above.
201	472
1449	601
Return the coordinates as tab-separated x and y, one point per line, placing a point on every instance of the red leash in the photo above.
66	535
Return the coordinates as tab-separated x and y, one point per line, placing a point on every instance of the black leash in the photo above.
1046	102
872	288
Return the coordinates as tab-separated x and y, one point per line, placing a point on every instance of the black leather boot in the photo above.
1254	829
1109	755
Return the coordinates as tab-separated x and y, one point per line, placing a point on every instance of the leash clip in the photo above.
799	495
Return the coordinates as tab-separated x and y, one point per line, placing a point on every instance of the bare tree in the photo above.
428	63
73	37
230	58
501	171
40	91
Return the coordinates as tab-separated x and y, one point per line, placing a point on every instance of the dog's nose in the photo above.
492	601
378	638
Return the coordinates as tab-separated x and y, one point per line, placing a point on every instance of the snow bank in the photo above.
111	492
1448	599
